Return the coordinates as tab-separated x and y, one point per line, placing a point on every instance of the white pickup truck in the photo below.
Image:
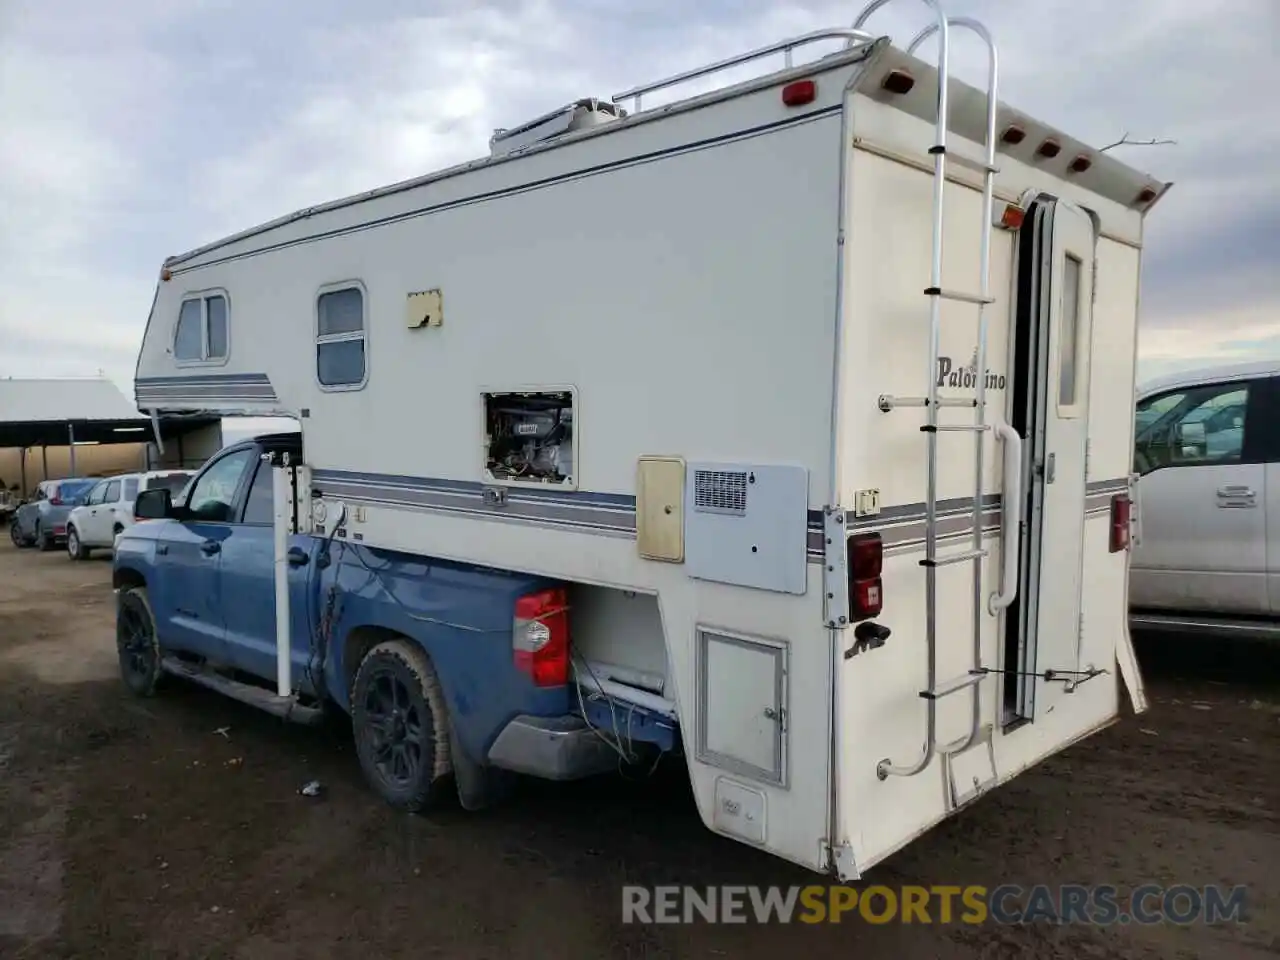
1207	551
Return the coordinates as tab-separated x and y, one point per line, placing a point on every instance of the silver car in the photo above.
43	520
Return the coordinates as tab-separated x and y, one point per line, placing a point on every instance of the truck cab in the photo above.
449	670
1207	452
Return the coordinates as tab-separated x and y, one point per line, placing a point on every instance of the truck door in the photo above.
1200	452
1055	301
189	602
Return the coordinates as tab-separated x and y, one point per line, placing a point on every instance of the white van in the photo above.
108	508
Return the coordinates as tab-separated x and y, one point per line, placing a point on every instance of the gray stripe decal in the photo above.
195	388
614	514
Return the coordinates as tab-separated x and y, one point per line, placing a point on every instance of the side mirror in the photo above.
154	504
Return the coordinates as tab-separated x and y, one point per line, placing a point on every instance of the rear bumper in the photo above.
553	748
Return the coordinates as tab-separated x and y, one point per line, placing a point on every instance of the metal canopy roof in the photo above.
50	413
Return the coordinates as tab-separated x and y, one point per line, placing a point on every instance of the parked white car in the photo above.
108	508
1207	552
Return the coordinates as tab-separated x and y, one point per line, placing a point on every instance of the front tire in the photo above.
401	726
137	642
15	534
75	549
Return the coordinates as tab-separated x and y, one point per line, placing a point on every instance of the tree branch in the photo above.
1124	141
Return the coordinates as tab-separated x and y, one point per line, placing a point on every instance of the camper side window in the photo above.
340	338
201	334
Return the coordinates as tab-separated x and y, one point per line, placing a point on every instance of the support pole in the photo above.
282	494
44	463
71	445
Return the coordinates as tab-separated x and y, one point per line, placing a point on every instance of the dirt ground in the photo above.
173	827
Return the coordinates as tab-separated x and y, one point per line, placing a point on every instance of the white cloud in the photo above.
139	129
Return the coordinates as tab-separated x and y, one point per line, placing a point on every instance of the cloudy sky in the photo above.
134	129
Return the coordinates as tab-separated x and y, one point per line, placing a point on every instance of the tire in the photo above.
401	726
137	643
75	549
45	540
16	536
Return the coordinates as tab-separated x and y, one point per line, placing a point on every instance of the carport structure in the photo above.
75	414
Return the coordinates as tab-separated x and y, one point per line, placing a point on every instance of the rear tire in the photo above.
137	642
401	726
75	549
45	540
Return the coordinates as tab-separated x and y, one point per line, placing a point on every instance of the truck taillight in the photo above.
540	637
866	592
55	501
1121	508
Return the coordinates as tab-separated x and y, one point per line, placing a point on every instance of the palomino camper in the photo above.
796	416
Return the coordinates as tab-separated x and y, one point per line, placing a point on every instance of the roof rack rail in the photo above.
851	37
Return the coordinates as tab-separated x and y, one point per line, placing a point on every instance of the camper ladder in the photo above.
936	294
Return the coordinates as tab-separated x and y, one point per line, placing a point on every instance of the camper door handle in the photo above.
210	547
1010	517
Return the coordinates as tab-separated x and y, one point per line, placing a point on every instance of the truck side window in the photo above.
260	507
1200	425
214	493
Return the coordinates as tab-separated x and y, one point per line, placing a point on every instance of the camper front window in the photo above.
201	335
340	338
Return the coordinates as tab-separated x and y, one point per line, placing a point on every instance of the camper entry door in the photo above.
1051	397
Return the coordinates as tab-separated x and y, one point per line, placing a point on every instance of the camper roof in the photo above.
1104	175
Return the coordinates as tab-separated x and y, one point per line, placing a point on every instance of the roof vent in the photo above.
575	116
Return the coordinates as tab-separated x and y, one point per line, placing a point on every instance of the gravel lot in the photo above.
173	827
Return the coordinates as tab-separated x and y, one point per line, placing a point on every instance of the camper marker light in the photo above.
1080	164
898	81
799	93
1146	196
1121	509
1013	134
1049	149
1012	217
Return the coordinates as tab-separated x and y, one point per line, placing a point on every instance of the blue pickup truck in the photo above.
453	675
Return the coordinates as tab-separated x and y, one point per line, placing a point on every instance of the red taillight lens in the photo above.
866	591
540	637
1121	508
55	501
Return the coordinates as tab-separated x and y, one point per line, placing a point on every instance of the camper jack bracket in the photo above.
835	579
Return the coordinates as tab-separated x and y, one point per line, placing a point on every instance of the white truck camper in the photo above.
815	390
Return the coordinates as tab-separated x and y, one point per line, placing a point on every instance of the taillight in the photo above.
866	592
540	637
55	501
1121	508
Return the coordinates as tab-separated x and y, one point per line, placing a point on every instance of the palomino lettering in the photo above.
949	376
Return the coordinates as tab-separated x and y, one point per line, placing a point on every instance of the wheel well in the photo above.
360	641
125	578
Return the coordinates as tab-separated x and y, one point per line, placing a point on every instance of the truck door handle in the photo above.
210	547
162	549
297	557
1237	495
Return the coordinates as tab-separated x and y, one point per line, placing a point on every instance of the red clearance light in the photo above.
898	81
166	275
865	558
1121	510
1146	196
1049	149
1080	164
1013	134
1012	217
799	93
540	637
